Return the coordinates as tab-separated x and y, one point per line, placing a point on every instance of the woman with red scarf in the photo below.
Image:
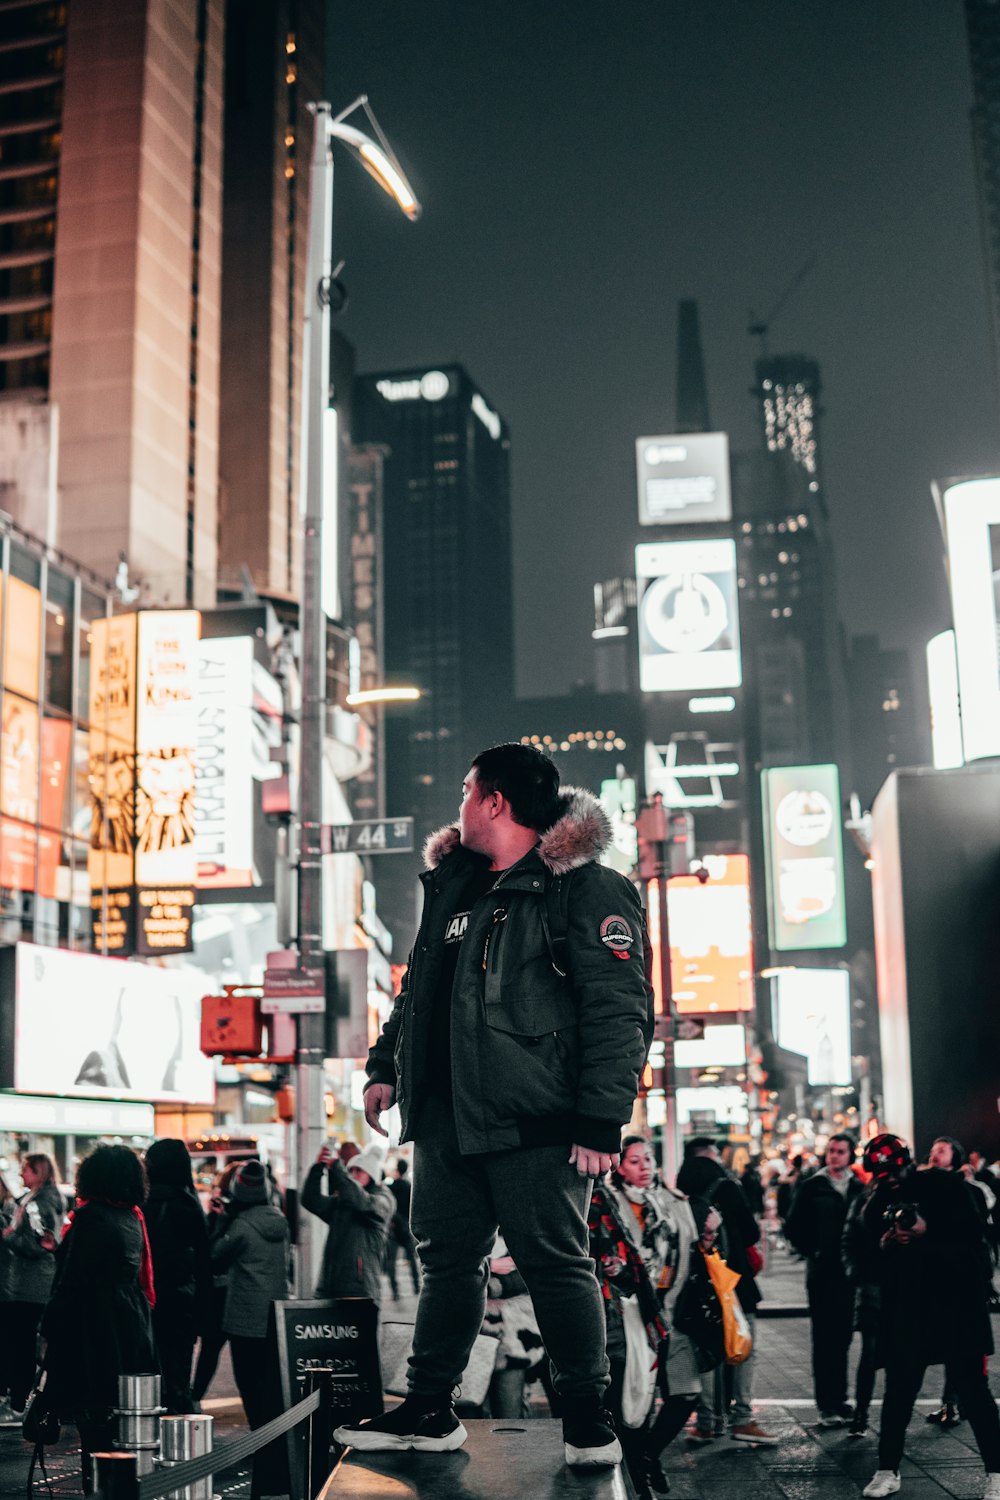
98	1322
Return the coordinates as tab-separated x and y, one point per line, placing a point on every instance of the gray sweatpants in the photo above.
540	1203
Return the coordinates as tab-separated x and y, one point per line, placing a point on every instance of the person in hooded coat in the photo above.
702	1175
358	1208
253	1248
97	1325
178	1238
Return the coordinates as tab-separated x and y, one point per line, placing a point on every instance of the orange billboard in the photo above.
711	941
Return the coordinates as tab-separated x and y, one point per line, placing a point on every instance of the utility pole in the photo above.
665	846
310	1028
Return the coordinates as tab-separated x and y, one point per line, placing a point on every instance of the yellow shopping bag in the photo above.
735	1328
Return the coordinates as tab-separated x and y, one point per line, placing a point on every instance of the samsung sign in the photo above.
683	479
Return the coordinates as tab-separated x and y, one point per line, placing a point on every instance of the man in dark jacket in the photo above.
815	1226
358	1209
178	1241
514	1051
702	1175
922	1241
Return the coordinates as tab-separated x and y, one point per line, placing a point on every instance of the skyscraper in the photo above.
275	61
982	20
135	299
448	626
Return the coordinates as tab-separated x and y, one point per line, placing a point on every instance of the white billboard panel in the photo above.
91	1027
689	633
946	712
812	1015
720	1047
971	510
727	1102
683	479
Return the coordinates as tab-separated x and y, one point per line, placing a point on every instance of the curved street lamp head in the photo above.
380	164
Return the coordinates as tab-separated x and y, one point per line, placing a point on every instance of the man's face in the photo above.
474	821
941	1155
838	1155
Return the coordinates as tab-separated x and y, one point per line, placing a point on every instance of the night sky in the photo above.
583	166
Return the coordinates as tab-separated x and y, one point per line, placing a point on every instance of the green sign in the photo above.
804	858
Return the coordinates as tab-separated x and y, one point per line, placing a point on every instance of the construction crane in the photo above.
760	329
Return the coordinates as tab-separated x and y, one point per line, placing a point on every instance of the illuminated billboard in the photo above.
144	730
804	858
711	944
704	1108
618	798
971	510
720	1047
812	1015
689	634
683	479
946	713
224	783
131	1031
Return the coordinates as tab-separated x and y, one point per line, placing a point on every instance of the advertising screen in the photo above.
804	854
224	784
812	1015
97	1028
166	737
972	529
711	1105
711	947
946	714
689	634
618	798
720	1047
683	479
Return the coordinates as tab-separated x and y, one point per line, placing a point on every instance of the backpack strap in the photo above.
555	922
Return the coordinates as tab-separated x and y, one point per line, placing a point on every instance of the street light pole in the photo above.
320	505
310	1029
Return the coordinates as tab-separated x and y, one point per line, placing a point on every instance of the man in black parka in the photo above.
514	1052
920	1238
815	1227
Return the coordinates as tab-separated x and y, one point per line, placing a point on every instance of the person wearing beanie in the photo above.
178	1240
254	1250
358	1208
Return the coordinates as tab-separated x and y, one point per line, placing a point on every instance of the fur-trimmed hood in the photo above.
580	834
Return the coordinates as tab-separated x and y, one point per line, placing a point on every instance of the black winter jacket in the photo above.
701	1177
536	1057
98	1323
815	1224
933	1295
178	1242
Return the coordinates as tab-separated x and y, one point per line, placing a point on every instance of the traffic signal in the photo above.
231	1024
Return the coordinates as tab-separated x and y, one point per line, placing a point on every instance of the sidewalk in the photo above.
807	1464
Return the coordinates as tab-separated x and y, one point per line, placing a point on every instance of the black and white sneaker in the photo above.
425	1423
589	1435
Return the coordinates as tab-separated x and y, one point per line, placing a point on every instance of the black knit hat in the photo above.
250	1183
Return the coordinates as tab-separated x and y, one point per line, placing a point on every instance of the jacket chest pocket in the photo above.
532	1017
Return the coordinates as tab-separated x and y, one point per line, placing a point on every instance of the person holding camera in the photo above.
358	1209
920	1238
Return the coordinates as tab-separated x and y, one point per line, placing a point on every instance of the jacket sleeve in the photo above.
226	1248
732	1204
797	1225
604	948
855	1252
381	1066
313	1199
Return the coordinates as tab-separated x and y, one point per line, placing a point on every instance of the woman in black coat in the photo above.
98	1322
178	1239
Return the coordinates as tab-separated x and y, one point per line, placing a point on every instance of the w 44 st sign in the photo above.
370	836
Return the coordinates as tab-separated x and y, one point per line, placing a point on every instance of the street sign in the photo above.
689	1029
369	836
294	992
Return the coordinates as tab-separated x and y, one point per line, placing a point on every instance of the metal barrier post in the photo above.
116	1475
321	1450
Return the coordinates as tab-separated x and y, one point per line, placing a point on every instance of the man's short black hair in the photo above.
957	1150
112	1174
848	1140
525	777
700	1145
